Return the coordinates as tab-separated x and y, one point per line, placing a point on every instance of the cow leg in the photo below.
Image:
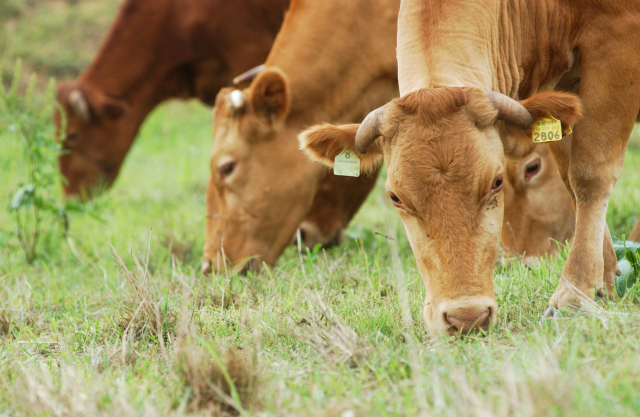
610	94
606	285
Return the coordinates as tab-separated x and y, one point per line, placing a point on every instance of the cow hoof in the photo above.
550	312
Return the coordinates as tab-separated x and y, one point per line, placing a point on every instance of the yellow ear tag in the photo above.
346	164
546	129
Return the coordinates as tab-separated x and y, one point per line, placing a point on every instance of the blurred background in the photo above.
54	38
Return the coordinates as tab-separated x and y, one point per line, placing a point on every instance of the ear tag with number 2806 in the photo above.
546	129
346	164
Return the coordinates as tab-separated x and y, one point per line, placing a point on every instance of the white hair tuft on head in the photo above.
237	100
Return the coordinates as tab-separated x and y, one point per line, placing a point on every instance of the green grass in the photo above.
63	319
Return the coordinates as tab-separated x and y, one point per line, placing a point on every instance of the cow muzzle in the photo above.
466	315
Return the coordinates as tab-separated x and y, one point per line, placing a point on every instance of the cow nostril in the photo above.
467	322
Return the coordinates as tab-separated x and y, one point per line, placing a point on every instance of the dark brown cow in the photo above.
463	66
155	50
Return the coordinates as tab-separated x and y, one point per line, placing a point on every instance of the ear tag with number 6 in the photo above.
546	129
347	164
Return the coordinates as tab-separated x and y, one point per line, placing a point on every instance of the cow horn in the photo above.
248	76
237	100
510	110
369	130
79	105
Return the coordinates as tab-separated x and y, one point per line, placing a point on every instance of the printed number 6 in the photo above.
557	135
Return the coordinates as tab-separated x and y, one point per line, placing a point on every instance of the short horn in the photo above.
79	105
510	110
369	130
248	76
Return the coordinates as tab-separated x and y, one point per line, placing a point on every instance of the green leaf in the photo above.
626	279
23	195
622	246
628	263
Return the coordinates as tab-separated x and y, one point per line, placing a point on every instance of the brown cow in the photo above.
155	50
329	62
538	213
444	141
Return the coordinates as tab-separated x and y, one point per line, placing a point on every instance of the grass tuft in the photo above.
147	315
223	383
329	336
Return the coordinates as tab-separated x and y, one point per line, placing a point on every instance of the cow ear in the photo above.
324	142
565	107
112	108
269	95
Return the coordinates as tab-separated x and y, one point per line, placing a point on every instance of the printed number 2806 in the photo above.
544	136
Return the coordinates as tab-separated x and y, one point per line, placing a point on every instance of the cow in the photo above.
477	79
155	50
261	236
538	213
328	62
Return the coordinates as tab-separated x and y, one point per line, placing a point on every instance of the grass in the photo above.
335	334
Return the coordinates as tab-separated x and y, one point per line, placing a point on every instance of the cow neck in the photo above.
498	45
339	58
133	55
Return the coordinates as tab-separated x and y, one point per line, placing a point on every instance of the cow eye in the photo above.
497	184
226	169
532	169
396	201
72	137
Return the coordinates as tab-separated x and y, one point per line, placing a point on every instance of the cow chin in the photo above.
459	297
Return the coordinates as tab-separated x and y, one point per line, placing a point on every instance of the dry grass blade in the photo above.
329	336
144	314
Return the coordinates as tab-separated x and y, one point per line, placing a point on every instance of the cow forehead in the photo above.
453	156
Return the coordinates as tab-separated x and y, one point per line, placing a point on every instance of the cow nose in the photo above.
465	320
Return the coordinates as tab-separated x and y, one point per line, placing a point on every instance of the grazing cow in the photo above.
476	79
155	50
332	60
538	213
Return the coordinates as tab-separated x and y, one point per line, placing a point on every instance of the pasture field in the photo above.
336	332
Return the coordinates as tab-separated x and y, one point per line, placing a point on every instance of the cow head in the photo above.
444	150
92	147
261	184
538	213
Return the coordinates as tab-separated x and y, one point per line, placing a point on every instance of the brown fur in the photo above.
155	50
